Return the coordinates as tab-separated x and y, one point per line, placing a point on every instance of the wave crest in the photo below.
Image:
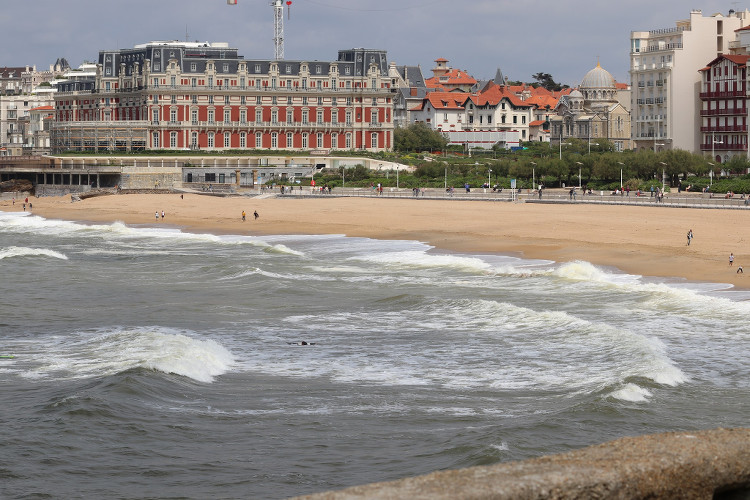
116	351
11	252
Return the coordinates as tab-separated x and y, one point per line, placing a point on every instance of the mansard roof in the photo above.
412	75
11	72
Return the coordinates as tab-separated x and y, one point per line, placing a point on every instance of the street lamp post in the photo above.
489	180
533	179
663	174
579	173
711	175
621	163
396	177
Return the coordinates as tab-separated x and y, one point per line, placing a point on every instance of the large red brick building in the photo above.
190	95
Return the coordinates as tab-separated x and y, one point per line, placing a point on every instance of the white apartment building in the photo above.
665	78
14	121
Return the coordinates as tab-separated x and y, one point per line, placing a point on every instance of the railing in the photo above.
264	125
722	94
667	31
554	195
721	146
726	128
727	111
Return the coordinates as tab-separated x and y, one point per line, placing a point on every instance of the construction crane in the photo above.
278	26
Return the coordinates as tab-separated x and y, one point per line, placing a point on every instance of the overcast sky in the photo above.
522	37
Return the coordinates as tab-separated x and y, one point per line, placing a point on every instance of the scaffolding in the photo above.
99	136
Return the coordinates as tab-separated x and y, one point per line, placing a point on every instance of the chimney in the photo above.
413	91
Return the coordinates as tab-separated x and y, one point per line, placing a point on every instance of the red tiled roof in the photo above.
542	101
536	123
42	108
494	93
446	100
451	78
740	60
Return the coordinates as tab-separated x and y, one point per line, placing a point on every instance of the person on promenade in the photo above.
689	236
243	216
731	259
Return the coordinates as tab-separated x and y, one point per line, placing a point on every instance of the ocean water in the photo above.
150	362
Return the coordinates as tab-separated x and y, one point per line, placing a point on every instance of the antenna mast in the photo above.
278	29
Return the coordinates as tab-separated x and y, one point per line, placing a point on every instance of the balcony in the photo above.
726	128
723	147
723	94
724	112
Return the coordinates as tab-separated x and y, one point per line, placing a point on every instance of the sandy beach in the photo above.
649	241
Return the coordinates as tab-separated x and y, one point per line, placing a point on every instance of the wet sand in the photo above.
649	241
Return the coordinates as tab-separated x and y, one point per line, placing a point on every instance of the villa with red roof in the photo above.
724	110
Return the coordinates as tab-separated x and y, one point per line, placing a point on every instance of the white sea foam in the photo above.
10	252
585	271
423	259
120	231
632	393
83	355
503	446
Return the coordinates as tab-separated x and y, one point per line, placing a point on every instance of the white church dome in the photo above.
598	78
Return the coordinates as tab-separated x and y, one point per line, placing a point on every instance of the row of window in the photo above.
256	83
226	139
225	68
258	100
194	115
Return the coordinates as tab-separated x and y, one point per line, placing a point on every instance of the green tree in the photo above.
418	137
546	81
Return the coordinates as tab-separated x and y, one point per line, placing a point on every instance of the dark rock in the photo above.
21	185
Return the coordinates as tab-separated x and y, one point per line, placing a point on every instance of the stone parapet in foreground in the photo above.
686	465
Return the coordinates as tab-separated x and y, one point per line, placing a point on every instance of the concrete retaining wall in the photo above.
150	178
685	465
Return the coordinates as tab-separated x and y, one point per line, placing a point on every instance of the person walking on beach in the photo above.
689	236
243	216
739	270
731	259
162	214
255	214
157	215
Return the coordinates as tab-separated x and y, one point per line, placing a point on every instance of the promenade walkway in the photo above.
552	195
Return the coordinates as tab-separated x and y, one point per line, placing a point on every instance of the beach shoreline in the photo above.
640	240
